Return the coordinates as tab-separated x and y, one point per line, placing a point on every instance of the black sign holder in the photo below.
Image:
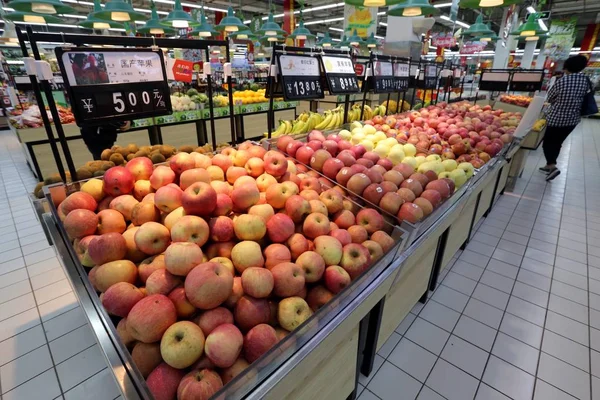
274	83
80	40
511	84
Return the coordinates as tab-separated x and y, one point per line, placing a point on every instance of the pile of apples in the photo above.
397	188
459	131
207	262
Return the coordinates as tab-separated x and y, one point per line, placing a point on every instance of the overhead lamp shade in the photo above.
301	33
244	34
487	3
538	36
371	41
372	3
32	18
478	29
41	6
205	29
231	23
271	28
179	19
413	8
119	11
343	43
92	22
269	40
325	41
355	40
154	26
529	28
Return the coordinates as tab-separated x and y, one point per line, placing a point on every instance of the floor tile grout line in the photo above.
548	305
504	313
589	295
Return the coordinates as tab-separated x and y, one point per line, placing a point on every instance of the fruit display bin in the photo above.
327	341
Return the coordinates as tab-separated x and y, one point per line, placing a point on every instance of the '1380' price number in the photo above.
302	88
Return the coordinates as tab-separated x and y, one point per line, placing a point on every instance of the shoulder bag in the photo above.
589	106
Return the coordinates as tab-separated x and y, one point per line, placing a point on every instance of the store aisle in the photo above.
517	315
47	349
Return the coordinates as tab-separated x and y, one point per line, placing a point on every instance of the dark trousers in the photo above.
553	140
97	139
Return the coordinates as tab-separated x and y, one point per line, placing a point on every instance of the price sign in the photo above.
114	85
300	76
430	77
340	74
526	81
494	81
383	75
402	76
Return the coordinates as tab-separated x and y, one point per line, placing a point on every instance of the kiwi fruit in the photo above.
37	192
132	148
117	158
106	153
167	150
130	156
98	173
147	149
141	153
156	147
122	151
84	173
186	149
52	179
108	165
157	158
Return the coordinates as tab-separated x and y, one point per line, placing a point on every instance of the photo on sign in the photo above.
88	68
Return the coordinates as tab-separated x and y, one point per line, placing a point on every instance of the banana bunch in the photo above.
379	110
333	119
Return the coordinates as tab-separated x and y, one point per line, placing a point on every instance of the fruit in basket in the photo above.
146	357
141	168
355	259
249	312
211	319
80	223
292	312
152	238
208	285
93	187
118	181
258	341
76	201
198	385
104	276
182	344
163	381
107	247
120	298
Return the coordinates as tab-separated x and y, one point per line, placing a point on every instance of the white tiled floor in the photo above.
516	315
47	350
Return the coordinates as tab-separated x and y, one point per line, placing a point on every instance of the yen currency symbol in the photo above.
87	104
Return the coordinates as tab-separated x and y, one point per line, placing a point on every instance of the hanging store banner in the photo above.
562	37
472	47
590	38
182	70
363	19
443	40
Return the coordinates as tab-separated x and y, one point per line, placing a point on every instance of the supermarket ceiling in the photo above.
327	15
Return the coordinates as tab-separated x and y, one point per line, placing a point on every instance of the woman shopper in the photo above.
98	138
565	98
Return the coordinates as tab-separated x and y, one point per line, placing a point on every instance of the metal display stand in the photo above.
33	38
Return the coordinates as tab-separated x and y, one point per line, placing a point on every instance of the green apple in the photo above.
468	168
379	136
382	150
410	150
357	124
459	177
410	160
367	144
396	154
450	165
444	174
345	134
433	157
420	160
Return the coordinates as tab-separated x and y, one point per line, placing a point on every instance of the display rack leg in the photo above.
201	135
36	166
423	299
153	134
370	349
363	328
239	128
439	258
473	218
495	190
